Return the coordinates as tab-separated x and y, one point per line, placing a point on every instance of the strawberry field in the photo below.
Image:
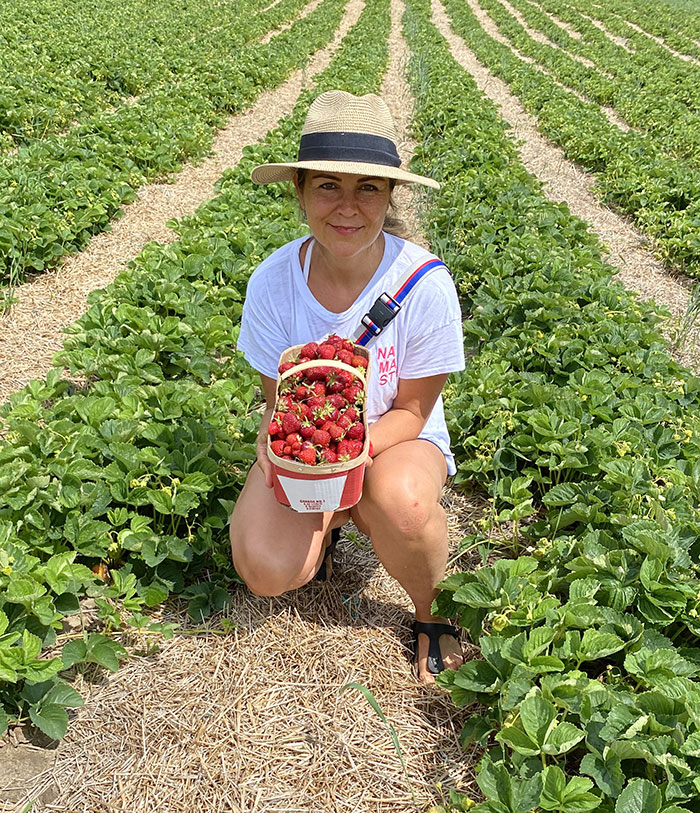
572	417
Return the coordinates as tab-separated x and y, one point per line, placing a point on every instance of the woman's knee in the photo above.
405	501
268	573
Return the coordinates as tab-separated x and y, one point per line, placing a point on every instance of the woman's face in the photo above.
345	212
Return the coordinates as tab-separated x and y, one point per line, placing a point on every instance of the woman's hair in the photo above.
392	224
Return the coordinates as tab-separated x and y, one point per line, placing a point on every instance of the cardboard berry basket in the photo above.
327	486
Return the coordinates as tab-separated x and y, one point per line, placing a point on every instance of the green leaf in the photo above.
606	773
518	741
495	783
640	796
477	676
4	722
562	739
63	694
596	645
52	719
691	746
23	590
537	716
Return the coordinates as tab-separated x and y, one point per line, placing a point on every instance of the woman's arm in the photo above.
412	406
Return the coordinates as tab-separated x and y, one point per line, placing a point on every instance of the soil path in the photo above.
565	182
31	332
249	713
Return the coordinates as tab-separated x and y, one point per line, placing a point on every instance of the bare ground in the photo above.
627	249
30	333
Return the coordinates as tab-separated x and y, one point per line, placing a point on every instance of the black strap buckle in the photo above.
380	314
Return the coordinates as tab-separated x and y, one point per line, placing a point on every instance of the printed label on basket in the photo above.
314	495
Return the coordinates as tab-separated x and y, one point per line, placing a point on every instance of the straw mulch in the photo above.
255	719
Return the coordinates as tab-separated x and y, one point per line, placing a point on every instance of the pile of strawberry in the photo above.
318	416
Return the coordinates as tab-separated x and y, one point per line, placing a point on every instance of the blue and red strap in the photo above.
386	307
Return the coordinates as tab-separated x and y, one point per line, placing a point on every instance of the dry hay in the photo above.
255	719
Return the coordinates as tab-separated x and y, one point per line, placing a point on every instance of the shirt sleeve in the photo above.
434	340
263	337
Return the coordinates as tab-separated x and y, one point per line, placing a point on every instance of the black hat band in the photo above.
357	147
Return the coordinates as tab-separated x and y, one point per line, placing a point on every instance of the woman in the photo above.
348	165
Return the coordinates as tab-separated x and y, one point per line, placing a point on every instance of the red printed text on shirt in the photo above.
386	358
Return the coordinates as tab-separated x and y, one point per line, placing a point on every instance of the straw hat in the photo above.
346	133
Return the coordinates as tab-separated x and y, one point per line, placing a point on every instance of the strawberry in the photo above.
320	438
326	351
359	361
356	431
352	413
290	423
310	350
308	456
336	382
274	428
344	422
345	356
302	392
337	400
329	456
348	345
336	432
277	447
355	448
307	429
315	402
318	388
342	450
284	403
354	394
335	340
287	365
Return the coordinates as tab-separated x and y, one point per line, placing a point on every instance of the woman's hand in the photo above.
261	448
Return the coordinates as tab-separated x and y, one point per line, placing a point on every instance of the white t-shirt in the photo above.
425	338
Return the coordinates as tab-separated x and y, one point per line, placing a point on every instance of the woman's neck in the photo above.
348	271
337	282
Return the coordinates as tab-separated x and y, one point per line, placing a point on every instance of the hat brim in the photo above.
273	173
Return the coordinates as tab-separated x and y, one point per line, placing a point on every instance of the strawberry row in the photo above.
586	434
650	88
64	63
58	192
678	28
137	472
634	173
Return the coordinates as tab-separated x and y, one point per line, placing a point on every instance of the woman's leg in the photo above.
400	511
274	548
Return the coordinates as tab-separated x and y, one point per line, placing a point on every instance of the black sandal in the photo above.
324	572
433	631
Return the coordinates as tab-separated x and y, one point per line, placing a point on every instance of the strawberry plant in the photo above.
573	415
121	490
60	191
634	172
